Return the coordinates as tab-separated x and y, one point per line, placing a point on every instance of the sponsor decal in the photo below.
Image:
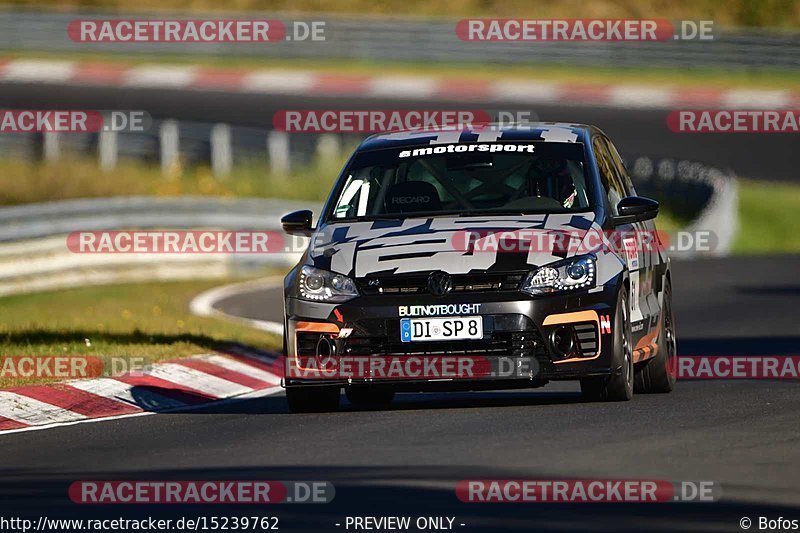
631	253
605	324
465	147
438	310
632	259
411	199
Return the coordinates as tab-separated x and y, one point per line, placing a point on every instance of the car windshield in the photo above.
464	179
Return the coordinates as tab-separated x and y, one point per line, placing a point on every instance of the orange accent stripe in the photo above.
566	318
647	347
321	327
318	327
577	316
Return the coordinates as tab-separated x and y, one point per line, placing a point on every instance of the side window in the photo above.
620	167
608	174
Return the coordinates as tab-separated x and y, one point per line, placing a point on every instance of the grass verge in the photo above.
142	320
768	218
24	182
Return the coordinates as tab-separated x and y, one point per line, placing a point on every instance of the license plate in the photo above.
441	329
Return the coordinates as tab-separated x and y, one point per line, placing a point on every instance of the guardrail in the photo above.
705	195
33	240
407	39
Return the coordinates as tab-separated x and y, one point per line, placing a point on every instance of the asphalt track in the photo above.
406	460
635	131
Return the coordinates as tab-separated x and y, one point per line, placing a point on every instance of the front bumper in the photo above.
516	327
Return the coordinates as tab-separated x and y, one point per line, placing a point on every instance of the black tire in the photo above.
313	399
369	397
657	375
618	387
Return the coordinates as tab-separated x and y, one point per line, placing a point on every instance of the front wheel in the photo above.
619	385
313	399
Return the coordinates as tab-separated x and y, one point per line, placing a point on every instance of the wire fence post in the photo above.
329	147
278	151
108	149
170	145
51	146
221	150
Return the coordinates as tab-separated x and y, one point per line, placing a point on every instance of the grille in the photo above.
418	283
499	344
506	335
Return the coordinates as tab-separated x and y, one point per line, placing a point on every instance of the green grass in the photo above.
706	77
768	218
148	320
26	182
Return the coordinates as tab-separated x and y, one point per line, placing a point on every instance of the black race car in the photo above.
482	258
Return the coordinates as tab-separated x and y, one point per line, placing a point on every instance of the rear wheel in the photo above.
313	399
658	374
369	397
619	385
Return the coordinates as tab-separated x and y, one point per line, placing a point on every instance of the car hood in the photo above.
360	249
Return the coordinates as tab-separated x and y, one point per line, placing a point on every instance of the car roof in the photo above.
532	131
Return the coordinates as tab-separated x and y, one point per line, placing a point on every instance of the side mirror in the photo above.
298	223
635	209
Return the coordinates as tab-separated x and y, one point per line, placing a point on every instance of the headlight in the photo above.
564	276
323	286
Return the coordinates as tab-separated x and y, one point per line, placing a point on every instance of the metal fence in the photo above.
416	40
